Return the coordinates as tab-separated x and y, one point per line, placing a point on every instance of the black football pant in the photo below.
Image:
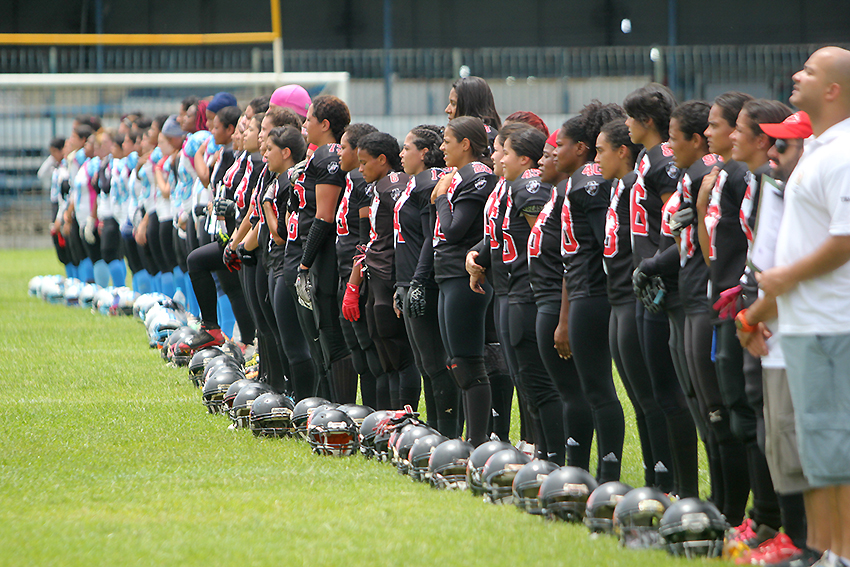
166	243
74	244
311	334
363	354
255	286
153	245
529	417
110	240
181	251
295	346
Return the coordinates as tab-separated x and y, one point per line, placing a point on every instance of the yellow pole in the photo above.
277	40
139	39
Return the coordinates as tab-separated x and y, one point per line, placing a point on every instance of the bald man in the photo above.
811	283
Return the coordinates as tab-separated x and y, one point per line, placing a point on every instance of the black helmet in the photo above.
301	413
601	503
693	528
526	485
447	464
564	493
217	385
637	516
180	353
420	454
245	399
233	391
475	465
271	415
332	432
368	430
401	449
178	336
217	361
198	362
356	412
233	350
497	478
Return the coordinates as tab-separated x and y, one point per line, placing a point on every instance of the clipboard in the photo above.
771	205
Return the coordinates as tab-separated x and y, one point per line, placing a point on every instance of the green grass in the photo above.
107	457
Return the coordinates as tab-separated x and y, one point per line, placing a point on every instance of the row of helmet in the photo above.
495	471
72	292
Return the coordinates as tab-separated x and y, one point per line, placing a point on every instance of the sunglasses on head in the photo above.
783	145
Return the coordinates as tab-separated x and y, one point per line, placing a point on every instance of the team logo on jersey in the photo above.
395	193
748	177
672	171
532	186
481	183
592	187
333	167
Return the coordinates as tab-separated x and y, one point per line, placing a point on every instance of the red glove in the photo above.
727	305
351	303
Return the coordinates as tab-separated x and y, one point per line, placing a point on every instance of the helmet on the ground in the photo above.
332	432
199	361
301	413
638	515
401	449
526	485
271	415
447	464
497	478
215	362
368	431
693	528
420	454
176	337
72	292
53	291
87	293
245	399
599	515
233	391
564	493
217	385
356	412
231	348
475	465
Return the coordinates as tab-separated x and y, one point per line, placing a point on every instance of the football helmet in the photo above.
231	348
271	415
233	391
447	464
600	506
87	293
180	352
161	325
475	465
145	301
103	300
368	431
693	528
244	400
213	363
199	361
301	413
123	302
35	285
216	386
637	516
497	478
403	444
356	412
176	336
420	453
564	493
332	432
72	292
53	290
526	485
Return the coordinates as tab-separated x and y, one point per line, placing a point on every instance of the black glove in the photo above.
303	289
224	208
653	294
247	257
200	210
416	300
398	299
639	281
684	217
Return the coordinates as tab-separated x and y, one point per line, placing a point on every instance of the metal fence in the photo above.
554	82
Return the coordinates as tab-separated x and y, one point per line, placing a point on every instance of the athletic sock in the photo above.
101	273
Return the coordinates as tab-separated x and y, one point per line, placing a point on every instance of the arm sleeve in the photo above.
425	265
664	263
455	224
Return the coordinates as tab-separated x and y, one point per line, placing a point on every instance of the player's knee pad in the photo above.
743	426
469	371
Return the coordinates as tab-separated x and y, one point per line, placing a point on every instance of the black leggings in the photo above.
503	400
364	355
92	250
295	347
654	334
651	424
133	254
676	317
311	334
588	332
202	262
461	314
110	240
166	244
255	285
153	245
181	249
577	414
426	340
74	244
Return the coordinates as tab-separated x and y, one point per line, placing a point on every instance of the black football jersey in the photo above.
225	170
473	182
667	260
749	204
583	232
494	216
354	198
694	273
380	252
526	196
728	242
545	265
617	251
656	176
277	193
411	225
294	249
254	166
322	169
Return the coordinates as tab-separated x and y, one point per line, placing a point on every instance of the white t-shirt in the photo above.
817	205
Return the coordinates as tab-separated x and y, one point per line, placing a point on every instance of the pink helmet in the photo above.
292	96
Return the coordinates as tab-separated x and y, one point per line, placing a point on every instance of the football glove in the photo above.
351	302
303	289
416	300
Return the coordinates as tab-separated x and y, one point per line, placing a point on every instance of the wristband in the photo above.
742	324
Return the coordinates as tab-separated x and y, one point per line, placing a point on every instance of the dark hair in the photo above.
617	134
57	143
143	123
356	131
118	138
527	141
692	117
472	129
429	137
283	116
260	104
764	111
378	143
159	120
335	111
95	123
83	131
474	98
528	118
229	116
289	137
188	102
653	101
133	136
586	126
258	118
731	103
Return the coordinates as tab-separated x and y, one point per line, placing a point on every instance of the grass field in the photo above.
108	457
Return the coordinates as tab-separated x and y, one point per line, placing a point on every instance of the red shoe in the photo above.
736	539
206	337
775	550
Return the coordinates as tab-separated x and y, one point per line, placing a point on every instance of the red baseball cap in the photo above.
797	125
552	140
